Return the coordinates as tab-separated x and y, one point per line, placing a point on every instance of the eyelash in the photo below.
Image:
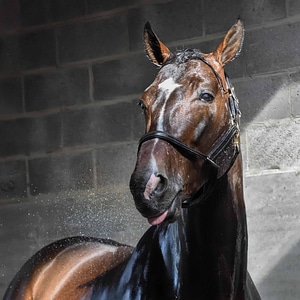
207	97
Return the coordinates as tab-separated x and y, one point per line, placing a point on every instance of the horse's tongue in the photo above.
159	219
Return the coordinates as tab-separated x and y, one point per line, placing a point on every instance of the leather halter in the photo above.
230	135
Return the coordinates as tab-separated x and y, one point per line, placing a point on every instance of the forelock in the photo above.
185	55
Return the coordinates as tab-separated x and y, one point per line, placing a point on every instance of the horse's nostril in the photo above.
156	185
162	185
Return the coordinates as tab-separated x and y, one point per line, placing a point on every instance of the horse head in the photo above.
191	119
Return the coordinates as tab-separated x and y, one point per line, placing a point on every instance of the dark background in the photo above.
71	72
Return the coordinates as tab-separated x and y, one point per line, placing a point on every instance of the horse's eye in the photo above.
207	97
142	105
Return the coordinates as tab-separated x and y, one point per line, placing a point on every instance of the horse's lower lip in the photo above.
170	214
159	219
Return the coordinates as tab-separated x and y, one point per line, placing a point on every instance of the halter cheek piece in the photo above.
229	136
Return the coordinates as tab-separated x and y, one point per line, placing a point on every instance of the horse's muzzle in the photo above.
152	196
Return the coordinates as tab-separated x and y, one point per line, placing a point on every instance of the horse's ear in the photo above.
231	45
155	49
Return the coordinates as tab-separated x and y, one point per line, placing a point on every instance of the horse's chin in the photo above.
169	215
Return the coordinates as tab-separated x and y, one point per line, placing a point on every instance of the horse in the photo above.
188	184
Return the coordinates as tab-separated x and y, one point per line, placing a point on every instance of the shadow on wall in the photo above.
282	281
271	97
270	123
273	211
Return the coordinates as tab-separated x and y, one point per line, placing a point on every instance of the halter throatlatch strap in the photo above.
229	136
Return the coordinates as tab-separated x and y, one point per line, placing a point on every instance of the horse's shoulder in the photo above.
65	267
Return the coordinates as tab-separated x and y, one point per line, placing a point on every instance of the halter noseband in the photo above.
230	135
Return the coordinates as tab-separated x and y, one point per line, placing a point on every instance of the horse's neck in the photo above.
152	272
217	239
202	255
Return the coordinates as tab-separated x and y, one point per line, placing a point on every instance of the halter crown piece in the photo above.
231	135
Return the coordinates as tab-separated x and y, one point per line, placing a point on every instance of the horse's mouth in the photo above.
159	219
169	215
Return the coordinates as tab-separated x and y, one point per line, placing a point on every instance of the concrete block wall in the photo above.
71	73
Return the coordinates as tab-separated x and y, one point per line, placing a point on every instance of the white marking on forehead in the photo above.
168	86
